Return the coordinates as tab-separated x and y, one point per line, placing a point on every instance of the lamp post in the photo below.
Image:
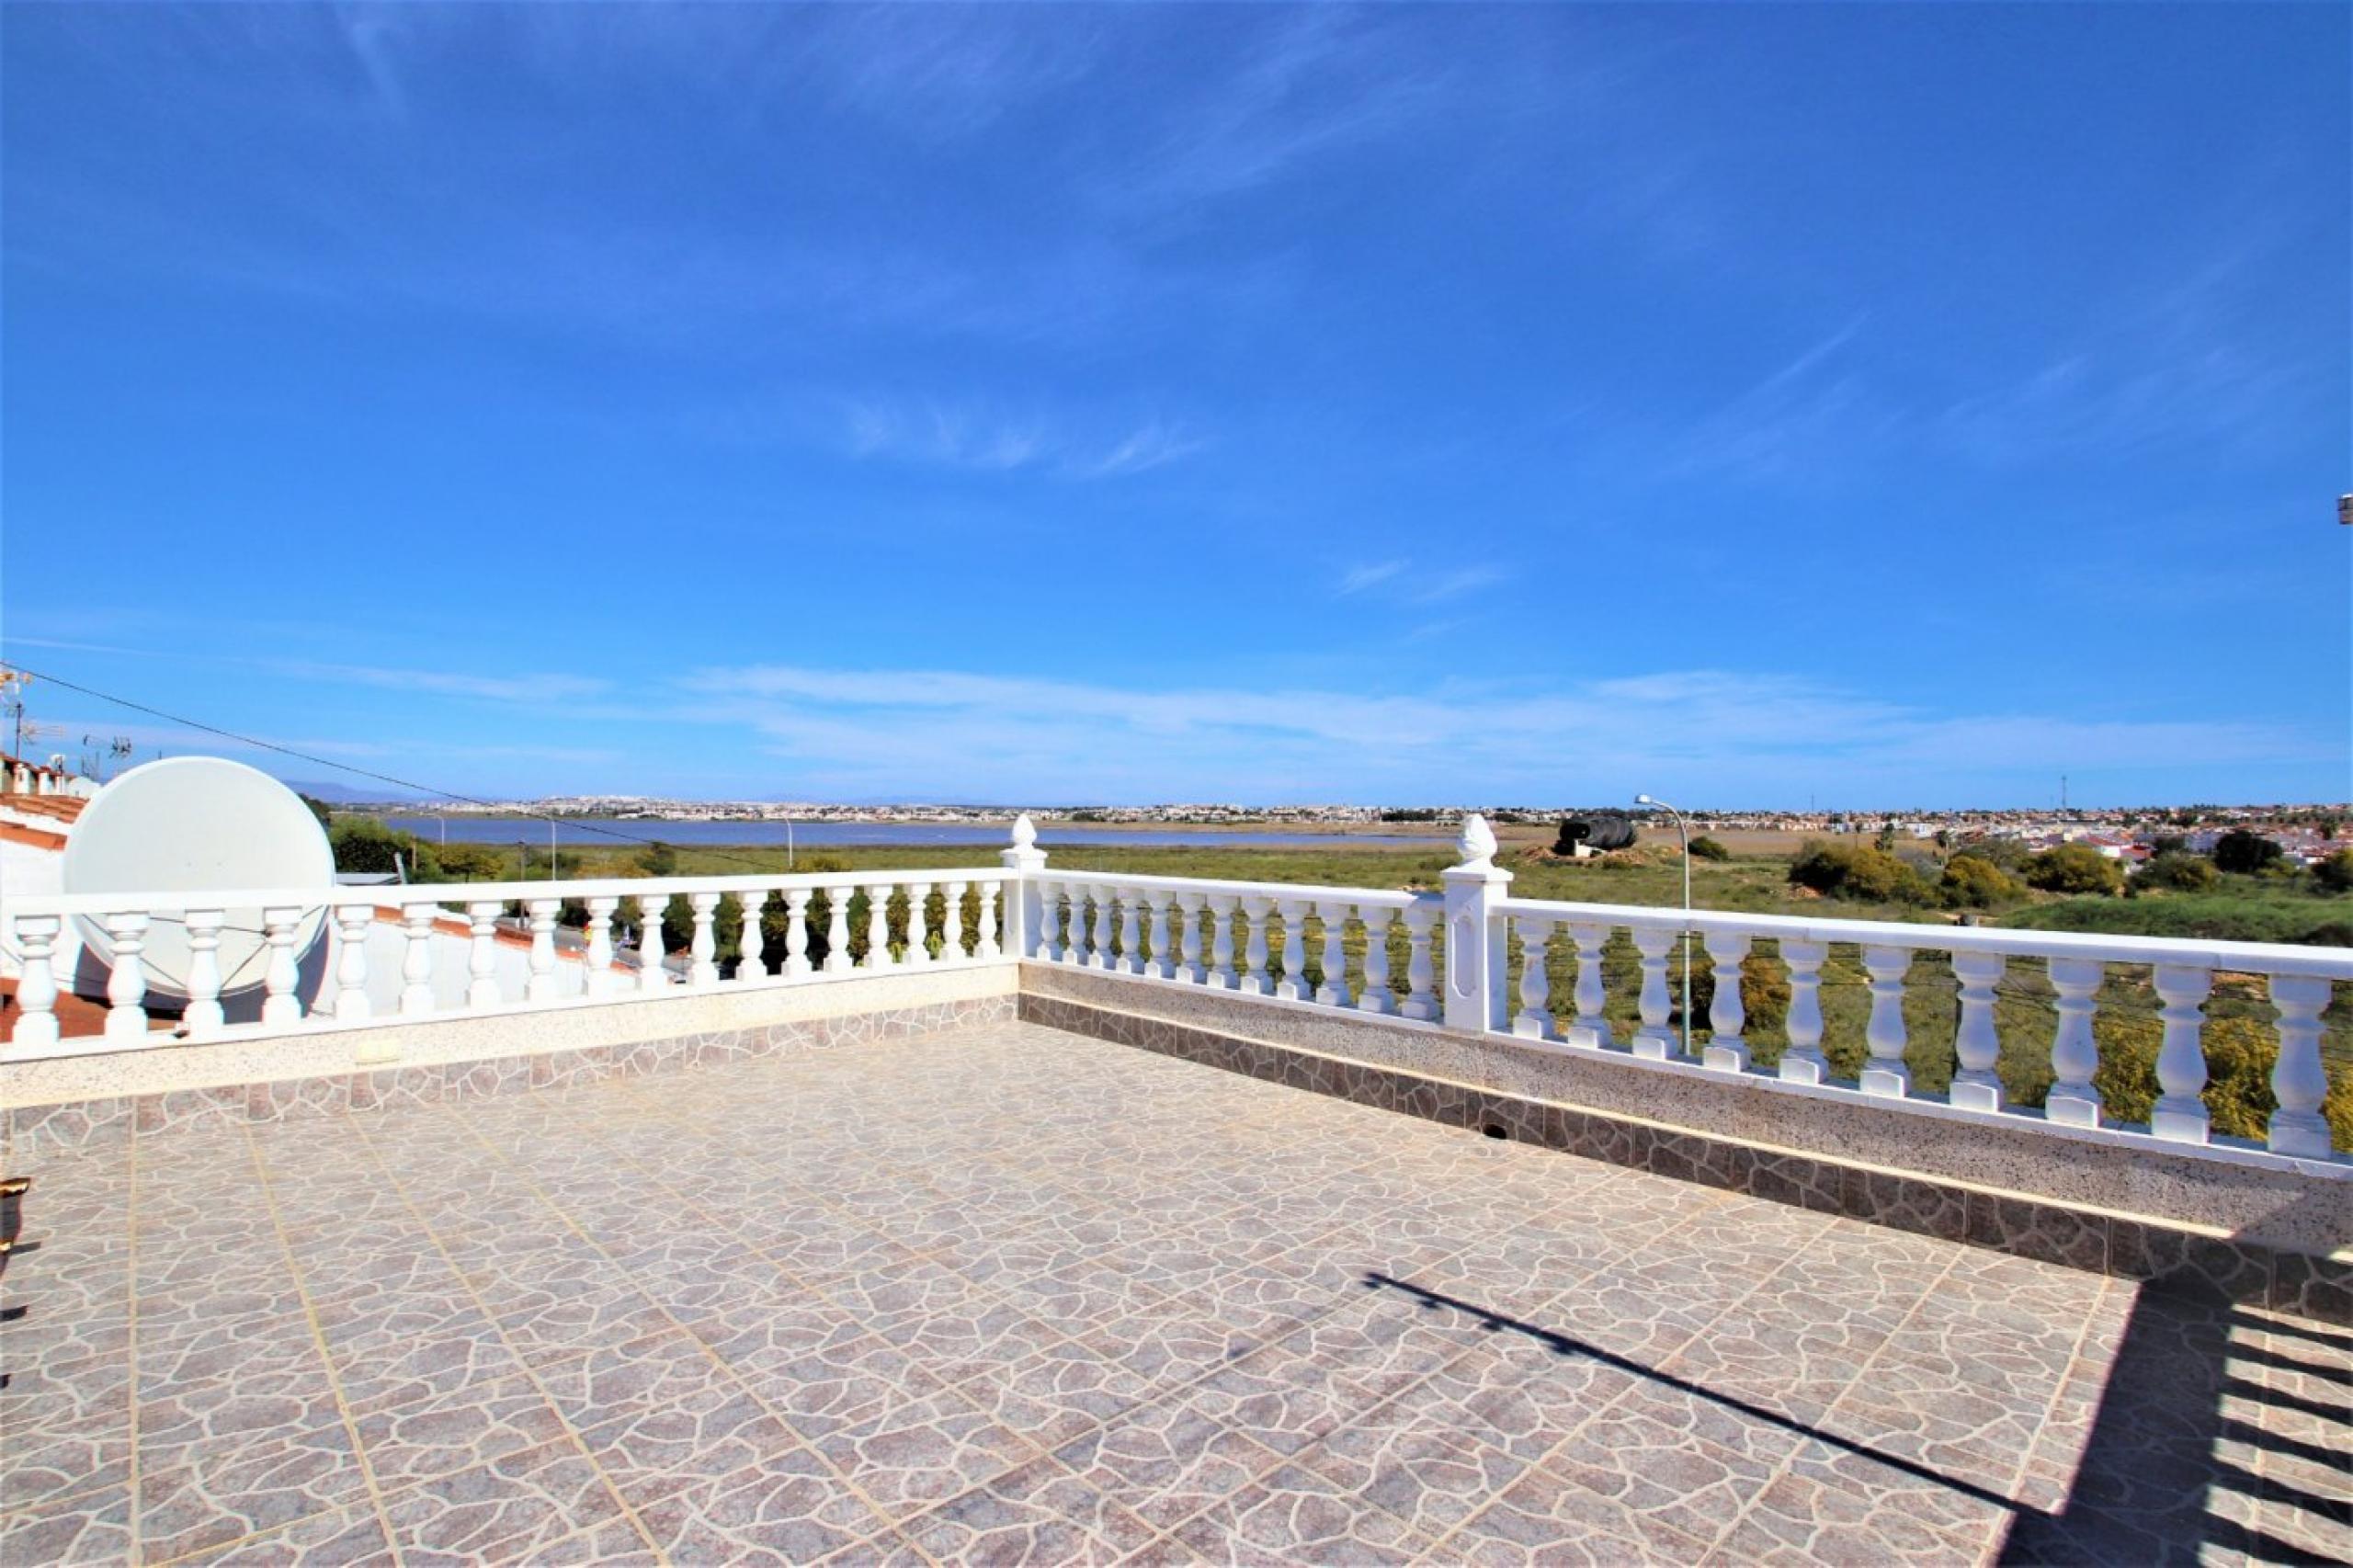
1684	833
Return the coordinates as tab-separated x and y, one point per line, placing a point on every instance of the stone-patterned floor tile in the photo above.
786	1507
1830	1504
607	1382
1295	1515
66	1460
252	1480
906	1455
1546	1518
343	1537
512	1510
1057	1393
1166	1463
89	1528
1513	1393
819	1392
1037	1513
1430	1477
667	1448
460	1429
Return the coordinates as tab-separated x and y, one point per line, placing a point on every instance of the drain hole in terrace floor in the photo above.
1494	1131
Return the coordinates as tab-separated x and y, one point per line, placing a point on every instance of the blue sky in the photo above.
1880	406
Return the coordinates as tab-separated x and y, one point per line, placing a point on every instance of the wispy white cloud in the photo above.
980	438
1454	585
1368	573
526	688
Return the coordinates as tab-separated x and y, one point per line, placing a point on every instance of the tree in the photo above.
1971	883
365	844
2177	871
325	814
1853	871
2074	868
1706	849
2244	852
2335	873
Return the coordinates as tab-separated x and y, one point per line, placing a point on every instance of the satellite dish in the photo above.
196	824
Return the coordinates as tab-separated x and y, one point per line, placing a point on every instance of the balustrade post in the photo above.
481	958
837	954
127	978
1130	932
1803	1063
919	924
796	933
952	923
1193	908
2075	1050
878	927
351	923
1222	949
1885	1073
652	975
1164	961
1591	1028
37	982
1294	987
703	943
2179	1115
2299	1081
1376	997
1655	1040
1023	862
1046	904
1421	1000
203	1015
1475	953
596	966
1535	1019
1726	1052
540	987
1075	928
280	976
752	946
986	946
417	959
1254	983
1976	1045
1333	991
1101	955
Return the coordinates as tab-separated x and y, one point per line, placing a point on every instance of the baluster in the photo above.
417	959
2179	1116
2298	1081
37	982
1049	922
540	987
1421	1000
202	1015
1130	935
1255	984
1222	948
1975	1044
1590	996
1074	945
1163	963
1333	991
1294	985
280	1004
1101	955
878	927
351	923
2075	1050
702	943
598	977
752	958
836	929
1726	1052
1885	1073
1376	997
651	973
1803	1063
987	946
1535	1019
481	958
952	912
1193	910
127	981
918	923
1656	1039
796	933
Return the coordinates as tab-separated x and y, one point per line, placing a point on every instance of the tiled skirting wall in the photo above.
2215	1268
34	1130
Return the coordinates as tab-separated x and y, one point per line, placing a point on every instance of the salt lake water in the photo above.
819	835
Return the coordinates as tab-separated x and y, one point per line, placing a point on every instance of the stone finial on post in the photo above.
1024	860
1475	949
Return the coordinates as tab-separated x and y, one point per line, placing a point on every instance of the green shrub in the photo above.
2244	852
2334	873
2177	871
2239	1054
2074	868
1855	871
1971	883
1706	849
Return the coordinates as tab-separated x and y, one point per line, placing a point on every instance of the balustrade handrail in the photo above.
1289	892
404	893
2258	957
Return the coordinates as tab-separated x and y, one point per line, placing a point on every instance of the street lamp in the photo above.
1684	833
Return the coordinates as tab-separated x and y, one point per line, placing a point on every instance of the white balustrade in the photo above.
1803	1063
837	953
351	924
878	928
702	940
796	933
1976	1045
918	923
1254	983
599	980
1534	1020
953	937
1656	1039
1077	932
1334	915
203	1016
1886	1074
1294	987
1130	935
2072	1101
280	976
1421	977
1726	1050
127	981
986	947
417	959
1589	996
1222	973
752	946
1196	910
540	987
2299	1082
37	984
652	974
1376	997
1163	963
1050	921
2179	1115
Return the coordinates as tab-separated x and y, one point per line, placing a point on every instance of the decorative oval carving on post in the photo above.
1461	946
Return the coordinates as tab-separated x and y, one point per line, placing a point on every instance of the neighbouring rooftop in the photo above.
1008	1293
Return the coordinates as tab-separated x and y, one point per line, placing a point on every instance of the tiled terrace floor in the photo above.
1012	1294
